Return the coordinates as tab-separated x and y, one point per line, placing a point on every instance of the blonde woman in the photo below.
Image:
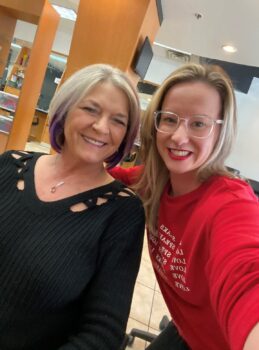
203	223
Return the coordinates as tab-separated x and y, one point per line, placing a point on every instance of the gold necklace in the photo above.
54	188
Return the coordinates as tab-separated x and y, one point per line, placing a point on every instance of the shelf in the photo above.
8	101
5	124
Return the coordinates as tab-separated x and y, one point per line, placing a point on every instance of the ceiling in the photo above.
222	22
201	28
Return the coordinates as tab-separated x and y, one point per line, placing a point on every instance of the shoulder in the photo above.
11	156
230	198
124	211
120	202
232	188
17	154
124	195
216	195
115	192
4	156
17	159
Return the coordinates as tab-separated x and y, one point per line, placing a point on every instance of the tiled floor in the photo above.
37	147
148	306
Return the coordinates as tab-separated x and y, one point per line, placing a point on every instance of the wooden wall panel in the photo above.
6	35
108	31
25	10
3	142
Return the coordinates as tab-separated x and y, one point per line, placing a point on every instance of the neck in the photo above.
184	183
77	172
69	166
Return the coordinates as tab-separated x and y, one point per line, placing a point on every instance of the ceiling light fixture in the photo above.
65	12
229	48
58	58
16	46
171	48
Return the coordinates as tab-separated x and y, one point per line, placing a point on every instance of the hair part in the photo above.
76	88
155	174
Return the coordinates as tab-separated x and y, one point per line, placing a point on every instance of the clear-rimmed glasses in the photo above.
199	126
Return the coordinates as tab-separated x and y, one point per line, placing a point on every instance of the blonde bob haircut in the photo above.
155	174
76	88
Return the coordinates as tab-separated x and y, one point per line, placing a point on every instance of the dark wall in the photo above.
241	75
159	11
49	87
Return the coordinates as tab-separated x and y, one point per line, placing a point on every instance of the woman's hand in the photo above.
252	341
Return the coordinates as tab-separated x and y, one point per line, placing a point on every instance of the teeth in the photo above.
179	153
94	142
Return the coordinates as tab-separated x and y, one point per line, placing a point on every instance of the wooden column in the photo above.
34	77
109	31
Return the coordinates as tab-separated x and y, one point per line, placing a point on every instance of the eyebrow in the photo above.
96	104
122	116
85	100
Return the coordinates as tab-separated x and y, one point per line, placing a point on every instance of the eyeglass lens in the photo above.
198	126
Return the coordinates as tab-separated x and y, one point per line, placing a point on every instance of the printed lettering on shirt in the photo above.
168	256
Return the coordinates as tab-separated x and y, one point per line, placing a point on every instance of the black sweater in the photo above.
66	278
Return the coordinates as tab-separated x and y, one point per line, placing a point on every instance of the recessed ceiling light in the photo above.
229	48
198	15
65	12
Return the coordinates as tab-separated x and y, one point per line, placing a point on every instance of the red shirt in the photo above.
206	259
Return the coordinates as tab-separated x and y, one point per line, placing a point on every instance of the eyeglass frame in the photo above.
214	122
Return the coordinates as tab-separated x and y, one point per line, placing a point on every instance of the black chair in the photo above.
168	339
144	335
255	185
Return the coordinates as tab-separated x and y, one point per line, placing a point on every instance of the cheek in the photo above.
160	141
120	136
209	146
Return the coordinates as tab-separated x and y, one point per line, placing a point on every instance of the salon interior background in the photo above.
192	30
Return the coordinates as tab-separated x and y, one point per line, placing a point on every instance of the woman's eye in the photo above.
120	121
169	120
90	110
198	124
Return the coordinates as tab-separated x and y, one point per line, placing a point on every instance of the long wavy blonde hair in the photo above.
155	174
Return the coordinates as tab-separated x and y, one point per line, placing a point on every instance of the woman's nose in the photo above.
180	135
101	125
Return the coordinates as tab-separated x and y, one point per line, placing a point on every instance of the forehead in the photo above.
193	97
104	86
107	92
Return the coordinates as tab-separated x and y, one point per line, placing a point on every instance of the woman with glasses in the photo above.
203	222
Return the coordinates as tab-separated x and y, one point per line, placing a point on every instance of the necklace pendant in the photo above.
54	188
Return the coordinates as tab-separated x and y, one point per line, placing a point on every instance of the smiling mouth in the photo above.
179	153
93	141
